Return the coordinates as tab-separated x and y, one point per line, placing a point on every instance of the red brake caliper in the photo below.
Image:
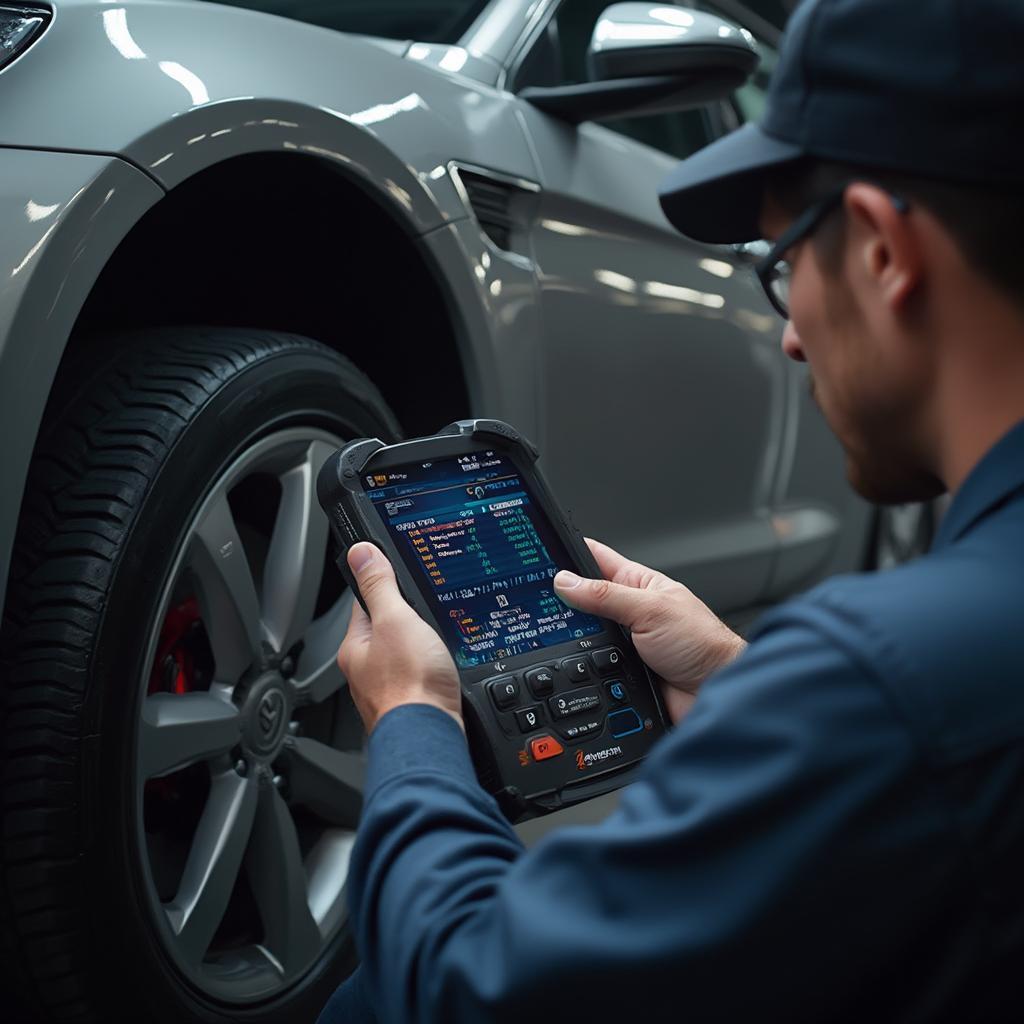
173	671
174	665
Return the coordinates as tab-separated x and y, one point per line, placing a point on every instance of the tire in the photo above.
129	726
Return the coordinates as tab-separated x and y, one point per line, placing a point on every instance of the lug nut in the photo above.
293	728
241	767
278	781
288	667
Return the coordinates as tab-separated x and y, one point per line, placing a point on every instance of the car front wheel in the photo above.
183	763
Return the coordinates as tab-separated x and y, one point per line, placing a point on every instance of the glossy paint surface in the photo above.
605	336
62	214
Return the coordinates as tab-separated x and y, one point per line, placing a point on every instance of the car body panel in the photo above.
626	298
704	425
175	86
63	214
498	298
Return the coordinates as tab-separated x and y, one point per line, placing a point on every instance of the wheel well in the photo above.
286	242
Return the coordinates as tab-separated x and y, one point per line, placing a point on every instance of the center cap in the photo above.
266	712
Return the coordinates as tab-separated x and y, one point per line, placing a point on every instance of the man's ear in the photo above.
885	242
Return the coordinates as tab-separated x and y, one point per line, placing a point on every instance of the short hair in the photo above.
986	223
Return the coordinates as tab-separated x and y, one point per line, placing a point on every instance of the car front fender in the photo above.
63	214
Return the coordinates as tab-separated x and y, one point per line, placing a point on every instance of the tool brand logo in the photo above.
584	761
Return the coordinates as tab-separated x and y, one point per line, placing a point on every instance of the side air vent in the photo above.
499	202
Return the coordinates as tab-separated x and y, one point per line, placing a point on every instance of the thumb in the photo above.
375	579
628	606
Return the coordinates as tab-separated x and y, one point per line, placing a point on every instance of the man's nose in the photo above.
791	344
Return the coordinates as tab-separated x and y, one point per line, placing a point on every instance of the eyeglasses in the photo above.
774	270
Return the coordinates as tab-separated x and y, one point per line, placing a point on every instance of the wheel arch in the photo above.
289	242
119	285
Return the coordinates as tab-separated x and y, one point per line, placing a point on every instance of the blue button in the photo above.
618	691
623	723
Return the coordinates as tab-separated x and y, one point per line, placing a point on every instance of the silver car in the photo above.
236	235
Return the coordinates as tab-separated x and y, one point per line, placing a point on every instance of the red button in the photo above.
545	747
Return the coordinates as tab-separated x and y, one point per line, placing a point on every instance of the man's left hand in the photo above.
392	657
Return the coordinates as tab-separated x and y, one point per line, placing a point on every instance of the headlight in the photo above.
19	26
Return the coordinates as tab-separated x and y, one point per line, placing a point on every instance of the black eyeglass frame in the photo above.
804	226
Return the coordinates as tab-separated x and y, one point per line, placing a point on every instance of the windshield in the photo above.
429	21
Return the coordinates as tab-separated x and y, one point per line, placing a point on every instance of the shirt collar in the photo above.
999	473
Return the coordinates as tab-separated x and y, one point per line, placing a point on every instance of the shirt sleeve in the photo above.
781	846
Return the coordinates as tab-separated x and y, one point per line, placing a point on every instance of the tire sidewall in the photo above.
289	388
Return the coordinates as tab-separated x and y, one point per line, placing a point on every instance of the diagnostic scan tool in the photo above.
557	703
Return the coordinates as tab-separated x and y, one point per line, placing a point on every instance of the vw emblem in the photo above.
271	714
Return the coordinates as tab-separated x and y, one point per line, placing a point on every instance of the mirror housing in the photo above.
645	58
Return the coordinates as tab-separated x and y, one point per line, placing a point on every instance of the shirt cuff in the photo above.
416	738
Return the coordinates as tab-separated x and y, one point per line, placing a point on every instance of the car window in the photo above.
427	21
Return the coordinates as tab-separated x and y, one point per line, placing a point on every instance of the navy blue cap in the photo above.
933	88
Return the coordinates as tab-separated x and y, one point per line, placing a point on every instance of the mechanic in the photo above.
835	829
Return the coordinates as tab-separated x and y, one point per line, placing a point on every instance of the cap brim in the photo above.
715	195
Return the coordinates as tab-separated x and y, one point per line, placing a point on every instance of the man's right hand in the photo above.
676	634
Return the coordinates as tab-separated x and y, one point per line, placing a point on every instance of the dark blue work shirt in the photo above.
835	831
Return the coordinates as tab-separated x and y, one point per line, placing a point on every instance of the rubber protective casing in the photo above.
523	786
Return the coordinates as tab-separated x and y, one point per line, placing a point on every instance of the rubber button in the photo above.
528	718
577	669
541	681
574	702
544	747
504	692
622	723
607	661
616	690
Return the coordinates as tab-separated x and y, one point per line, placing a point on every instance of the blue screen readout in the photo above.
482	551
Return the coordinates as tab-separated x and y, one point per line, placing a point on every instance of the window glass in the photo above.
678	133
428	21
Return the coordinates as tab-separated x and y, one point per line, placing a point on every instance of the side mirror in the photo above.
644	59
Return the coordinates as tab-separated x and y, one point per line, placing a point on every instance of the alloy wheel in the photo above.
249	760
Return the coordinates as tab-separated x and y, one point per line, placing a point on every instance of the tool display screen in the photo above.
482	551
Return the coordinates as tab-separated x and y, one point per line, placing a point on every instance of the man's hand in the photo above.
676	634
392	657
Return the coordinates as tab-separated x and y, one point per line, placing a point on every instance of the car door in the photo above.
664	393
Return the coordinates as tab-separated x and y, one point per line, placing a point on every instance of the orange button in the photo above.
545	747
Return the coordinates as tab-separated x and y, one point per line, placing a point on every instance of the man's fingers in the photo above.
609	561
375	579
617	567
626	605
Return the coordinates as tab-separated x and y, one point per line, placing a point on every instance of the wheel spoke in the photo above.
178	730
213	863
227	594
278	880
327	781
318	676
295	561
